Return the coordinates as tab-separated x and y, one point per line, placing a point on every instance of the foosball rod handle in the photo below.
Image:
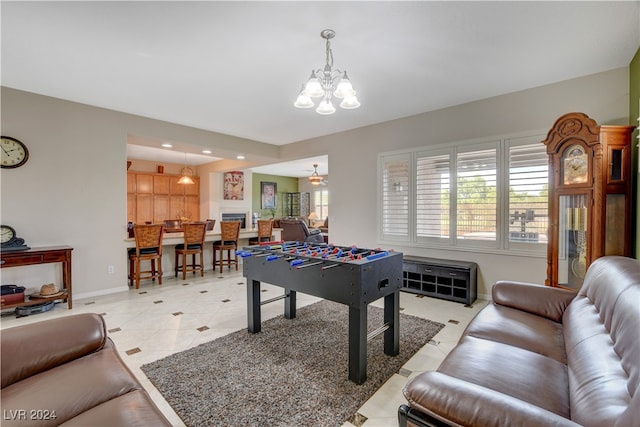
378	255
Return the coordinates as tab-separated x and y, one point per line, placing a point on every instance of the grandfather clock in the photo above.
589	196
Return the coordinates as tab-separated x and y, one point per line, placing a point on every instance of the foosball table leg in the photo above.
392	318
289	304
253	306
358	344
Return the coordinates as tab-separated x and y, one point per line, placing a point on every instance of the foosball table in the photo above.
347	275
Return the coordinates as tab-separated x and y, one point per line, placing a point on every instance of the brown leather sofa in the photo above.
296	230
66	371
542	356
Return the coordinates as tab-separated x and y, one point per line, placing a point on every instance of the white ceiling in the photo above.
236	67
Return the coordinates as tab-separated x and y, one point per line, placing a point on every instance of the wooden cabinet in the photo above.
161	184
589	196
144	208
144	183
192	190
156	197
161	209
440	278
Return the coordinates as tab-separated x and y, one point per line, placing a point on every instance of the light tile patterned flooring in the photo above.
155	321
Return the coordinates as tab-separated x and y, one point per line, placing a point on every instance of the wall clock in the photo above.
13	153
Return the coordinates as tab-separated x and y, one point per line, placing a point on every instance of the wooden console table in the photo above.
42	255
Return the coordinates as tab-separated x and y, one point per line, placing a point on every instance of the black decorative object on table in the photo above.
348	275
9	241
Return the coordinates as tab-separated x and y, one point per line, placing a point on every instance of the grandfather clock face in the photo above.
575	165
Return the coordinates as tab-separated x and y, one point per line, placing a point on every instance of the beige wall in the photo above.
73	188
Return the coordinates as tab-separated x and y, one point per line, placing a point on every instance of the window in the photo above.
474	196
528	192
321	203
432	196
395	197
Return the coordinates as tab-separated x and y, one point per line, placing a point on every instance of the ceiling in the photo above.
236	67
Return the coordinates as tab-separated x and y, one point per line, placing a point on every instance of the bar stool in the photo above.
148	248
230	233
194	233
265	231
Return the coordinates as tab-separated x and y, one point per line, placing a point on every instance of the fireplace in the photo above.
237	216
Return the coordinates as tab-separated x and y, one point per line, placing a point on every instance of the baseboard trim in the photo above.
102	292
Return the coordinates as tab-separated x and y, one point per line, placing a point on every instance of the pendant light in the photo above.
186	173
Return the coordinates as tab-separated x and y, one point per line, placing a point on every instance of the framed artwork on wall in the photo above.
268	191
234	185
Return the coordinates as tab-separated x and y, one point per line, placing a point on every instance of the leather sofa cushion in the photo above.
537	299
25	353
72	388
519	329
131	410
458	402
512	371
603	344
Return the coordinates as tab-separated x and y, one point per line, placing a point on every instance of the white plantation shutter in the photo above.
476	195
528	192
487	196
321	203
433	173
395	197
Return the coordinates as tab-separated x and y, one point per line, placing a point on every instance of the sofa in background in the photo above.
66	371
296	230
325	225
542	356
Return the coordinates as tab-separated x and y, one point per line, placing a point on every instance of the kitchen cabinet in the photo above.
154	197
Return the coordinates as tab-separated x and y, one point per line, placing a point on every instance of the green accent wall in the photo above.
285	184
634	113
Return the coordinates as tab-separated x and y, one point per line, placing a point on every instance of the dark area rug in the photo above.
293	373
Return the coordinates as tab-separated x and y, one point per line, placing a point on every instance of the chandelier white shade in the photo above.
326	84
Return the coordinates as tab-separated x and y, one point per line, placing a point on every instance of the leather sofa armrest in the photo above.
461	403
37	347
536	299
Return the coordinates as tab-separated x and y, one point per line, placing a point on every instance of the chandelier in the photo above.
327	84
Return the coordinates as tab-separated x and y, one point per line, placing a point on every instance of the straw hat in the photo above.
48	290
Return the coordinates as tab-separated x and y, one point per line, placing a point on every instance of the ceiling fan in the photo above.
316	179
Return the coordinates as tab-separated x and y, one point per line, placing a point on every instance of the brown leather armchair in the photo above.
297	230
325	226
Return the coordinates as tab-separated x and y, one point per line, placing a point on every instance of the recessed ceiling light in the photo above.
206	151
166	145
240	157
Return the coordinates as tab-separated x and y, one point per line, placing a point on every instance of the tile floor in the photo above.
154	321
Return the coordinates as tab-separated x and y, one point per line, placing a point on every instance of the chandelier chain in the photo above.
329	55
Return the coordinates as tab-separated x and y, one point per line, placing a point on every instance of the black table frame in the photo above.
354	284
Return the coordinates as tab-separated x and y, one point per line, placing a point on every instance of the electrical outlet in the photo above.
111	269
